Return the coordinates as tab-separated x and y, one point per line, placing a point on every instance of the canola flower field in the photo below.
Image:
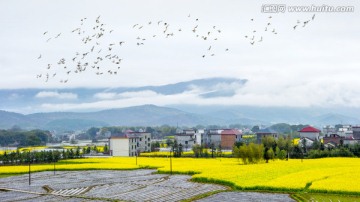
335	175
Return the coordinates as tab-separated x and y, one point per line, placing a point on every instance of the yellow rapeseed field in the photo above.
328	174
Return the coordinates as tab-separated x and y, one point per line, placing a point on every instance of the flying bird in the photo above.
39	57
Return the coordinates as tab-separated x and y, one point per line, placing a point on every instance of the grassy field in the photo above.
329	175
325	197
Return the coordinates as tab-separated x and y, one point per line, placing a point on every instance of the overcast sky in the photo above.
315	65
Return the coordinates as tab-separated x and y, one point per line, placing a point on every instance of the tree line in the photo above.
24	138
18	158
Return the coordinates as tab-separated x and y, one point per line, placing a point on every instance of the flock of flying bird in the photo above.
96	57
211	34
253	38
101	57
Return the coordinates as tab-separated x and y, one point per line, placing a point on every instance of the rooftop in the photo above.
309	129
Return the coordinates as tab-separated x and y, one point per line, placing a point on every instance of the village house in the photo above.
186	138
229	137
356	132
200	137
310	133
213	137
224	138
264	133
345	131
329	130
129	143
308	136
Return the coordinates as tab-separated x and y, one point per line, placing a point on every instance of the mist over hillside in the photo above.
152	115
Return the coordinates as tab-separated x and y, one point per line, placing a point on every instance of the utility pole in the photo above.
29	168
170	163
54	161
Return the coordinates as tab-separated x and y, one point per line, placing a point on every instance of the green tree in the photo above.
243	154
269	154
236	152
255	129
197	150
106	149
281	143
316	145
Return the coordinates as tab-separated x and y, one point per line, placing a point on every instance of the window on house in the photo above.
148	144
186	142
140	139
148	139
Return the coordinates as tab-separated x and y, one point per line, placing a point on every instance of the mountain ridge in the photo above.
153	115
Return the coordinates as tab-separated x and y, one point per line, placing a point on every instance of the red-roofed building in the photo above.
310	132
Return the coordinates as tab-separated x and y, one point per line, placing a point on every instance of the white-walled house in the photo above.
129	143
345	131
186	138
214	137
310	133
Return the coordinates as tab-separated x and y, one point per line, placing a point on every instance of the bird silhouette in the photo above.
39	57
